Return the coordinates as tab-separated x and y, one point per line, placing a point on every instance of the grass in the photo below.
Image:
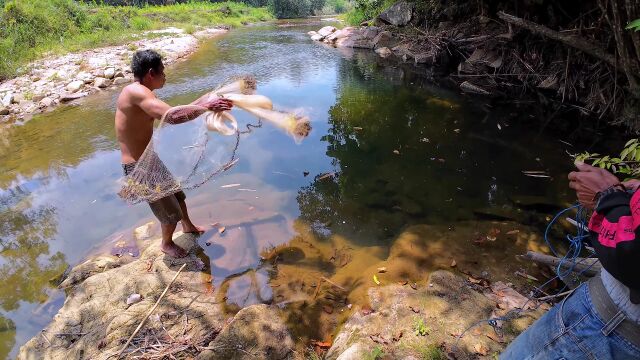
375	354
31	29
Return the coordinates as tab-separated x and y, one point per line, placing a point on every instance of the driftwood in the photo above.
586	266
577	42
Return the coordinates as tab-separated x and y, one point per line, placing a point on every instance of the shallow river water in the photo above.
391	155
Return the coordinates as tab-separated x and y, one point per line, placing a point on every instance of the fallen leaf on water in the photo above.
480	349
358	128
513	232
397	152
382	270
493	234
326	175
403	283
322	344
230	186
221	229
414	286
375	280
454	263
456	131
493	336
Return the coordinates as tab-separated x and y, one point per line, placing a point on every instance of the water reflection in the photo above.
388	150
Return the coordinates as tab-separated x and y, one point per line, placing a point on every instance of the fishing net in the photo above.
183	153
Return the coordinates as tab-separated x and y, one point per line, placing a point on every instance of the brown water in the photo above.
418	172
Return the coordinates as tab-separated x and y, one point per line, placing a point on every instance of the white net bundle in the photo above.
182	153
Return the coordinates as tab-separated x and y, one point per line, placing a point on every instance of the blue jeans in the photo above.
570	330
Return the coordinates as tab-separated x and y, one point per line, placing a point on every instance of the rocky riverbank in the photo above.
64	79
108	297
503	54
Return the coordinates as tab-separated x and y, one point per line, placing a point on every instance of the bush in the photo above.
288	9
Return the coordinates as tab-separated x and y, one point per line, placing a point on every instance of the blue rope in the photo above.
575	248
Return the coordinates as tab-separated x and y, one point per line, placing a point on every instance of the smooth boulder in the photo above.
399	14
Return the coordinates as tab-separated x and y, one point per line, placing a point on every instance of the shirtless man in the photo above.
137	108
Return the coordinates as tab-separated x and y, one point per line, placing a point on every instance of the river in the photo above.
389	149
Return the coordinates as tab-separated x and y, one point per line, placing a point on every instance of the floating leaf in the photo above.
375	280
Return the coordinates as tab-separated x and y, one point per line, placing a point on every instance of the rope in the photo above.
575	248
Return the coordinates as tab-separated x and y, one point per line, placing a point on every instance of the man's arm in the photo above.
157	108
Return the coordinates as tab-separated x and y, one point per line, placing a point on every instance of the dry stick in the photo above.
332	283
315	295
151	311
544	298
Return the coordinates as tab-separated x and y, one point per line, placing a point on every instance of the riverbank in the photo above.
432	316
565	59
65	79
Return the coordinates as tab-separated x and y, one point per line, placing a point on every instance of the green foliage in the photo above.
420	327
375	354
288	9
430	352
627	163
634	25
366	10
29	28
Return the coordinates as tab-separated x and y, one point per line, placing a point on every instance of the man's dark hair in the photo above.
143	60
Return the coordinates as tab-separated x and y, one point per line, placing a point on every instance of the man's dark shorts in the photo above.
167	209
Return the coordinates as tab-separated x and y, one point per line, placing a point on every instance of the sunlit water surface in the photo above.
399	151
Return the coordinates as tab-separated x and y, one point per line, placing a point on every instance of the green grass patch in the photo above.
30	29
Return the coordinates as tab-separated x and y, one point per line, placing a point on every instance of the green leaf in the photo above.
635	24
632	140
624	153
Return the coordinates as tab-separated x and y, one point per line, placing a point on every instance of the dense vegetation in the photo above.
32	28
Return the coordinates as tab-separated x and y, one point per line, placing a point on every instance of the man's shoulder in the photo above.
136	91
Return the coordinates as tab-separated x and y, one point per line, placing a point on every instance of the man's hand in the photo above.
588	181
632	184
218	104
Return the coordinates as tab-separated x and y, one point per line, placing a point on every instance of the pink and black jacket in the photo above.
615	236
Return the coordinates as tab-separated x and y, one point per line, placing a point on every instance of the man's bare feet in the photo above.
189	228
172	249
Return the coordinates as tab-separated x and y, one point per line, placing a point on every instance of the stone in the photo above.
317	37
4	111
399	14
36	98
450	305
384	52
71	97
110	73
46	102
7	99
17	98
383	39
144	232
326	31
258	328
121	80
311	33
75	86
370	32
101	82
119	74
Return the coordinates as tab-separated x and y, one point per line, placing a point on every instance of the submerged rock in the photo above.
405	321
96	319
75	86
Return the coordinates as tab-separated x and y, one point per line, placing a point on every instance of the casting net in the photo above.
185	154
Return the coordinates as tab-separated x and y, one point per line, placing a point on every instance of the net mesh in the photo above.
181	154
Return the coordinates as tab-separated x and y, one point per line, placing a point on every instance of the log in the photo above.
585	45
590	266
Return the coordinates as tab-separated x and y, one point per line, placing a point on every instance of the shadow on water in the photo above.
398	172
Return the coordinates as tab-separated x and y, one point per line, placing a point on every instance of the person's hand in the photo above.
588	181
219	104
632	184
